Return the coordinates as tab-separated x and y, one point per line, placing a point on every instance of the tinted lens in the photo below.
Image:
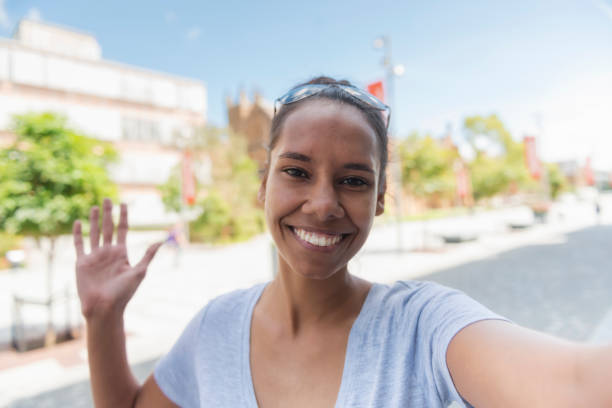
300	93
365	97
307	90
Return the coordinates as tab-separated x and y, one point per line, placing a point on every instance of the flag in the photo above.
531	157
377	89
188	180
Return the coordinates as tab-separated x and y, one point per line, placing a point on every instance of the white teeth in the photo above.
317	239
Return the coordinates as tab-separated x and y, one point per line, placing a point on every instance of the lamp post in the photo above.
392	71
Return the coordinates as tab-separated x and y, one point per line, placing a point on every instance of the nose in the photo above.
323	202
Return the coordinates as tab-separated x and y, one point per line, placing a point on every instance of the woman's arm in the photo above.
106	282
498	364
112	382
594	372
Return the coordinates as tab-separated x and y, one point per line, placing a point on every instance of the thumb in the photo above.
141	267
132	279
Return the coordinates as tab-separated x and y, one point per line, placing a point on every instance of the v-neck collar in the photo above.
351	349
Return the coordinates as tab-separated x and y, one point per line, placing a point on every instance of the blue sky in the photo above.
521	59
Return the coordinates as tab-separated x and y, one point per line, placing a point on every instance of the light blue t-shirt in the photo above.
395	357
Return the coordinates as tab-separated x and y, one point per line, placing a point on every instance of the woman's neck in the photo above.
298	303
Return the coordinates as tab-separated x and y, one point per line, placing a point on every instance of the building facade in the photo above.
45	68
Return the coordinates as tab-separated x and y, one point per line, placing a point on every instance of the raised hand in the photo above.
105	279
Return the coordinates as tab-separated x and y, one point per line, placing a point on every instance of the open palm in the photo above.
105	279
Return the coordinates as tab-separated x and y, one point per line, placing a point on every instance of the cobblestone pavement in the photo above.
561	287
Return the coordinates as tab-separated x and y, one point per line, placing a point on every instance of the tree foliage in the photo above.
171	191
427	167
228	206
215	222
556	180
50	176
494	173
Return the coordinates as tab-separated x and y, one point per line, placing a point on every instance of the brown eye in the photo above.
293	172
355	182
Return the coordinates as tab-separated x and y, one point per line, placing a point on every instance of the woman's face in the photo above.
321	191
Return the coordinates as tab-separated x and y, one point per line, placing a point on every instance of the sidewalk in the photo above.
169	296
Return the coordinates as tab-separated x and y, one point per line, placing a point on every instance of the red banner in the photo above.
463	182
589	176
377	89
188	180
531	157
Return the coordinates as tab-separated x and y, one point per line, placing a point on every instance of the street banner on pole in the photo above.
531	158
463	182
377	89
589	176
188	181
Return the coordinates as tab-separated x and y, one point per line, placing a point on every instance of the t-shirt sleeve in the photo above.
176	373
445	312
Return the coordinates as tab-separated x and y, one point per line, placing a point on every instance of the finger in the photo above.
78	238
94	228
107	222
123	225
148	257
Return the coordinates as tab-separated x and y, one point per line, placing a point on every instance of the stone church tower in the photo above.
252	120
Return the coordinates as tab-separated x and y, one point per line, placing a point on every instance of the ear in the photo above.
261	193
380	203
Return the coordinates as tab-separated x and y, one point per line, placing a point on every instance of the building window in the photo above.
140	130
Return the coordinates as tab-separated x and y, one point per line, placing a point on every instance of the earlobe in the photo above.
380	204
261	194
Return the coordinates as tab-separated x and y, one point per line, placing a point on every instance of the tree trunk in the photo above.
50	335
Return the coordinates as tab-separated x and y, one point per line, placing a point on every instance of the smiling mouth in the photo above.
318	239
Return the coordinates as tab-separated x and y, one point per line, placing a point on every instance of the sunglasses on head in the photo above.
304	91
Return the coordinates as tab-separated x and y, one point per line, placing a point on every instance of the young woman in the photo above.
317	336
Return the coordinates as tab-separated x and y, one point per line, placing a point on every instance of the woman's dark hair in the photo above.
371	114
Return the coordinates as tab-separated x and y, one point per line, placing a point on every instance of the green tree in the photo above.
228	206
494	173
171	191
556	180
427	167
50	176
214	222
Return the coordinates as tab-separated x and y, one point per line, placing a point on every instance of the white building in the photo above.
49	68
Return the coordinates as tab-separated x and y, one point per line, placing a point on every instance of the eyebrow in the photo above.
359	166
295	156
304	158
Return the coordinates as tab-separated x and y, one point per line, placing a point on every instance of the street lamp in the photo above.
398	70
392	71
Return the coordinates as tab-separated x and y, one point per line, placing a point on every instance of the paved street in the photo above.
556	278
563	288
